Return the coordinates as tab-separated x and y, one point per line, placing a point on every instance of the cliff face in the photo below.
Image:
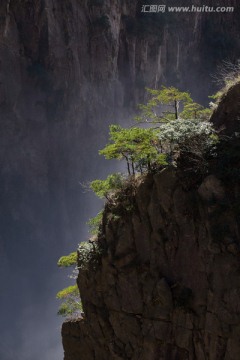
67	69
167	285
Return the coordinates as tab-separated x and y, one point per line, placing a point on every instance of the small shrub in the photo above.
95	222
106	188
90	253
71	306
69	260
137	146
70	290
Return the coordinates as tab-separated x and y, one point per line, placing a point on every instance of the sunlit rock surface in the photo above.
168	283
67	70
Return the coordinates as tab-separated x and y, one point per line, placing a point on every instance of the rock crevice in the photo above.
167	284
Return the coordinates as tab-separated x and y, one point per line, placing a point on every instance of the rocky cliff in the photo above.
167	284
67	69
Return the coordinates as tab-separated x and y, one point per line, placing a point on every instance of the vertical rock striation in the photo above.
167	284
68	69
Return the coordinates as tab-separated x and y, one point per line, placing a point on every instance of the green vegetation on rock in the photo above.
175	123
138	146
104	188
171	126
94	223
89	255
72	306
163	105
69	260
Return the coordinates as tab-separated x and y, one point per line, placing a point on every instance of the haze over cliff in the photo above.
68	69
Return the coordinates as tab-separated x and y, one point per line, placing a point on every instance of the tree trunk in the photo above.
176	106
133	170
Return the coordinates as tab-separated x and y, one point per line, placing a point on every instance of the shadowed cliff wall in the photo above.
166	285
67	69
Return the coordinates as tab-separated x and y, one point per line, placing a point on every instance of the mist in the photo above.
30	327
63	79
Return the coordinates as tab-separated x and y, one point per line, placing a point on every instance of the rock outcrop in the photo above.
167	285
226	115
68	69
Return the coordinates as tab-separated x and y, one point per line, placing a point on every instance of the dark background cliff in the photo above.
67	70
